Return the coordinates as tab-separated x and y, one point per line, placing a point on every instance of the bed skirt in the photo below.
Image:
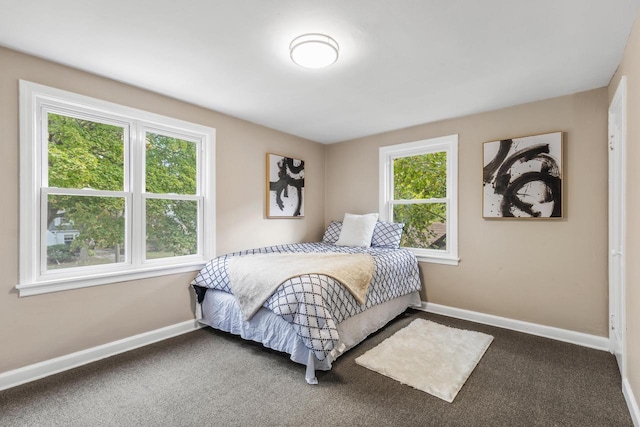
220	310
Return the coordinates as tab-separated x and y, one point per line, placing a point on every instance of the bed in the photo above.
312	316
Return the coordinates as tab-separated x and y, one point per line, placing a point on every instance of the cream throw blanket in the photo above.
254	278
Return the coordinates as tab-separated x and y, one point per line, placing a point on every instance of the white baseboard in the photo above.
579	338
632	403
63	363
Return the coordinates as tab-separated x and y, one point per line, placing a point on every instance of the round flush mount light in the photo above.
314	50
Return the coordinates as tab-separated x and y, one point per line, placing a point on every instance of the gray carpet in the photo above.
209	378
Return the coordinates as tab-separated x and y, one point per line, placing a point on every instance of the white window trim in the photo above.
34	99
449	144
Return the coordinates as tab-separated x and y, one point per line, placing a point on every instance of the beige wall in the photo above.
549	272
630	67
42	327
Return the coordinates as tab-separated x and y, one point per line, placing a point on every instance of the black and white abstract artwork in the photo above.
285	187
522	177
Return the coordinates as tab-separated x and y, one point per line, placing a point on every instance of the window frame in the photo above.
387	154
36	102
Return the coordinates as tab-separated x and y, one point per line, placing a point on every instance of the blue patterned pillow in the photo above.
387	234
332	233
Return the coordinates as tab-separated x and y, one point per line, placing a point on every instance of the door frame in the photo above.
617	147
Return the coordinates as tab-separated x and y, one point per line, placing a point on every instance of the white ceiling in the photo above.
402	63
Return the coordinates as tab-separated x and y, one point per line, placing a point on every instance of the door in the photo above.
617	149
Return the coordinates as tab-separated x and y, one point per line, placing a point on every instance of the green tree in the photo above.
170	165
83	154
171	168
421	177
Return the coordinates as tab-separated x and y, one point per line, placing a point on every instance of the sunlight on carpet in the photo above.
428	356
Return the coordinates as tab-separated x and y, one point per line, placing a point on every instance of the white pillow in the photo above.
357	230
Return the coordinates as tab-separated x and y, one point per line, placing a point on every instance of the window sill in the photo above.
434	258
438	260
65	284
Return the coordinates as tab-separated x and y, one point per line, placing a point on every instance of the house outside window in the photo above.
418	187
109	193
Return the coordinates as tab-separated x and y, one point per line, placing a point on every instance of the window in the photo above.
109	193
418	186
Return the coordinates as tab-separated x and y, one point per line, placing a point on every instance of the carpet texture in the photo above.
210	378
428	356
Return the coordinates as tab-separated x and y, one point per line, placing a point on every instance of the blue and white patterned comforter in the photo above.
314	303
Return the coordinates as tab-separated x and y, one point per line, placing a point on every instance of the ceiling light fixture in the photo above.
314	50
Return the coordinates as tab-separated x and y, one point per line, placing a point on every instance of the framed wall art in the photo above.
285	187
522	177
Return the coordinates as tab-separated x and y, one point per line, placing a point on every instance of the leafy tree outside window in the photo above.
85	155
418	187
171	223
110	193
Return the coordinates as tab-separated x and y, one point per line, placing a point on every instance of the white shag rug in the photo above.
428	356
